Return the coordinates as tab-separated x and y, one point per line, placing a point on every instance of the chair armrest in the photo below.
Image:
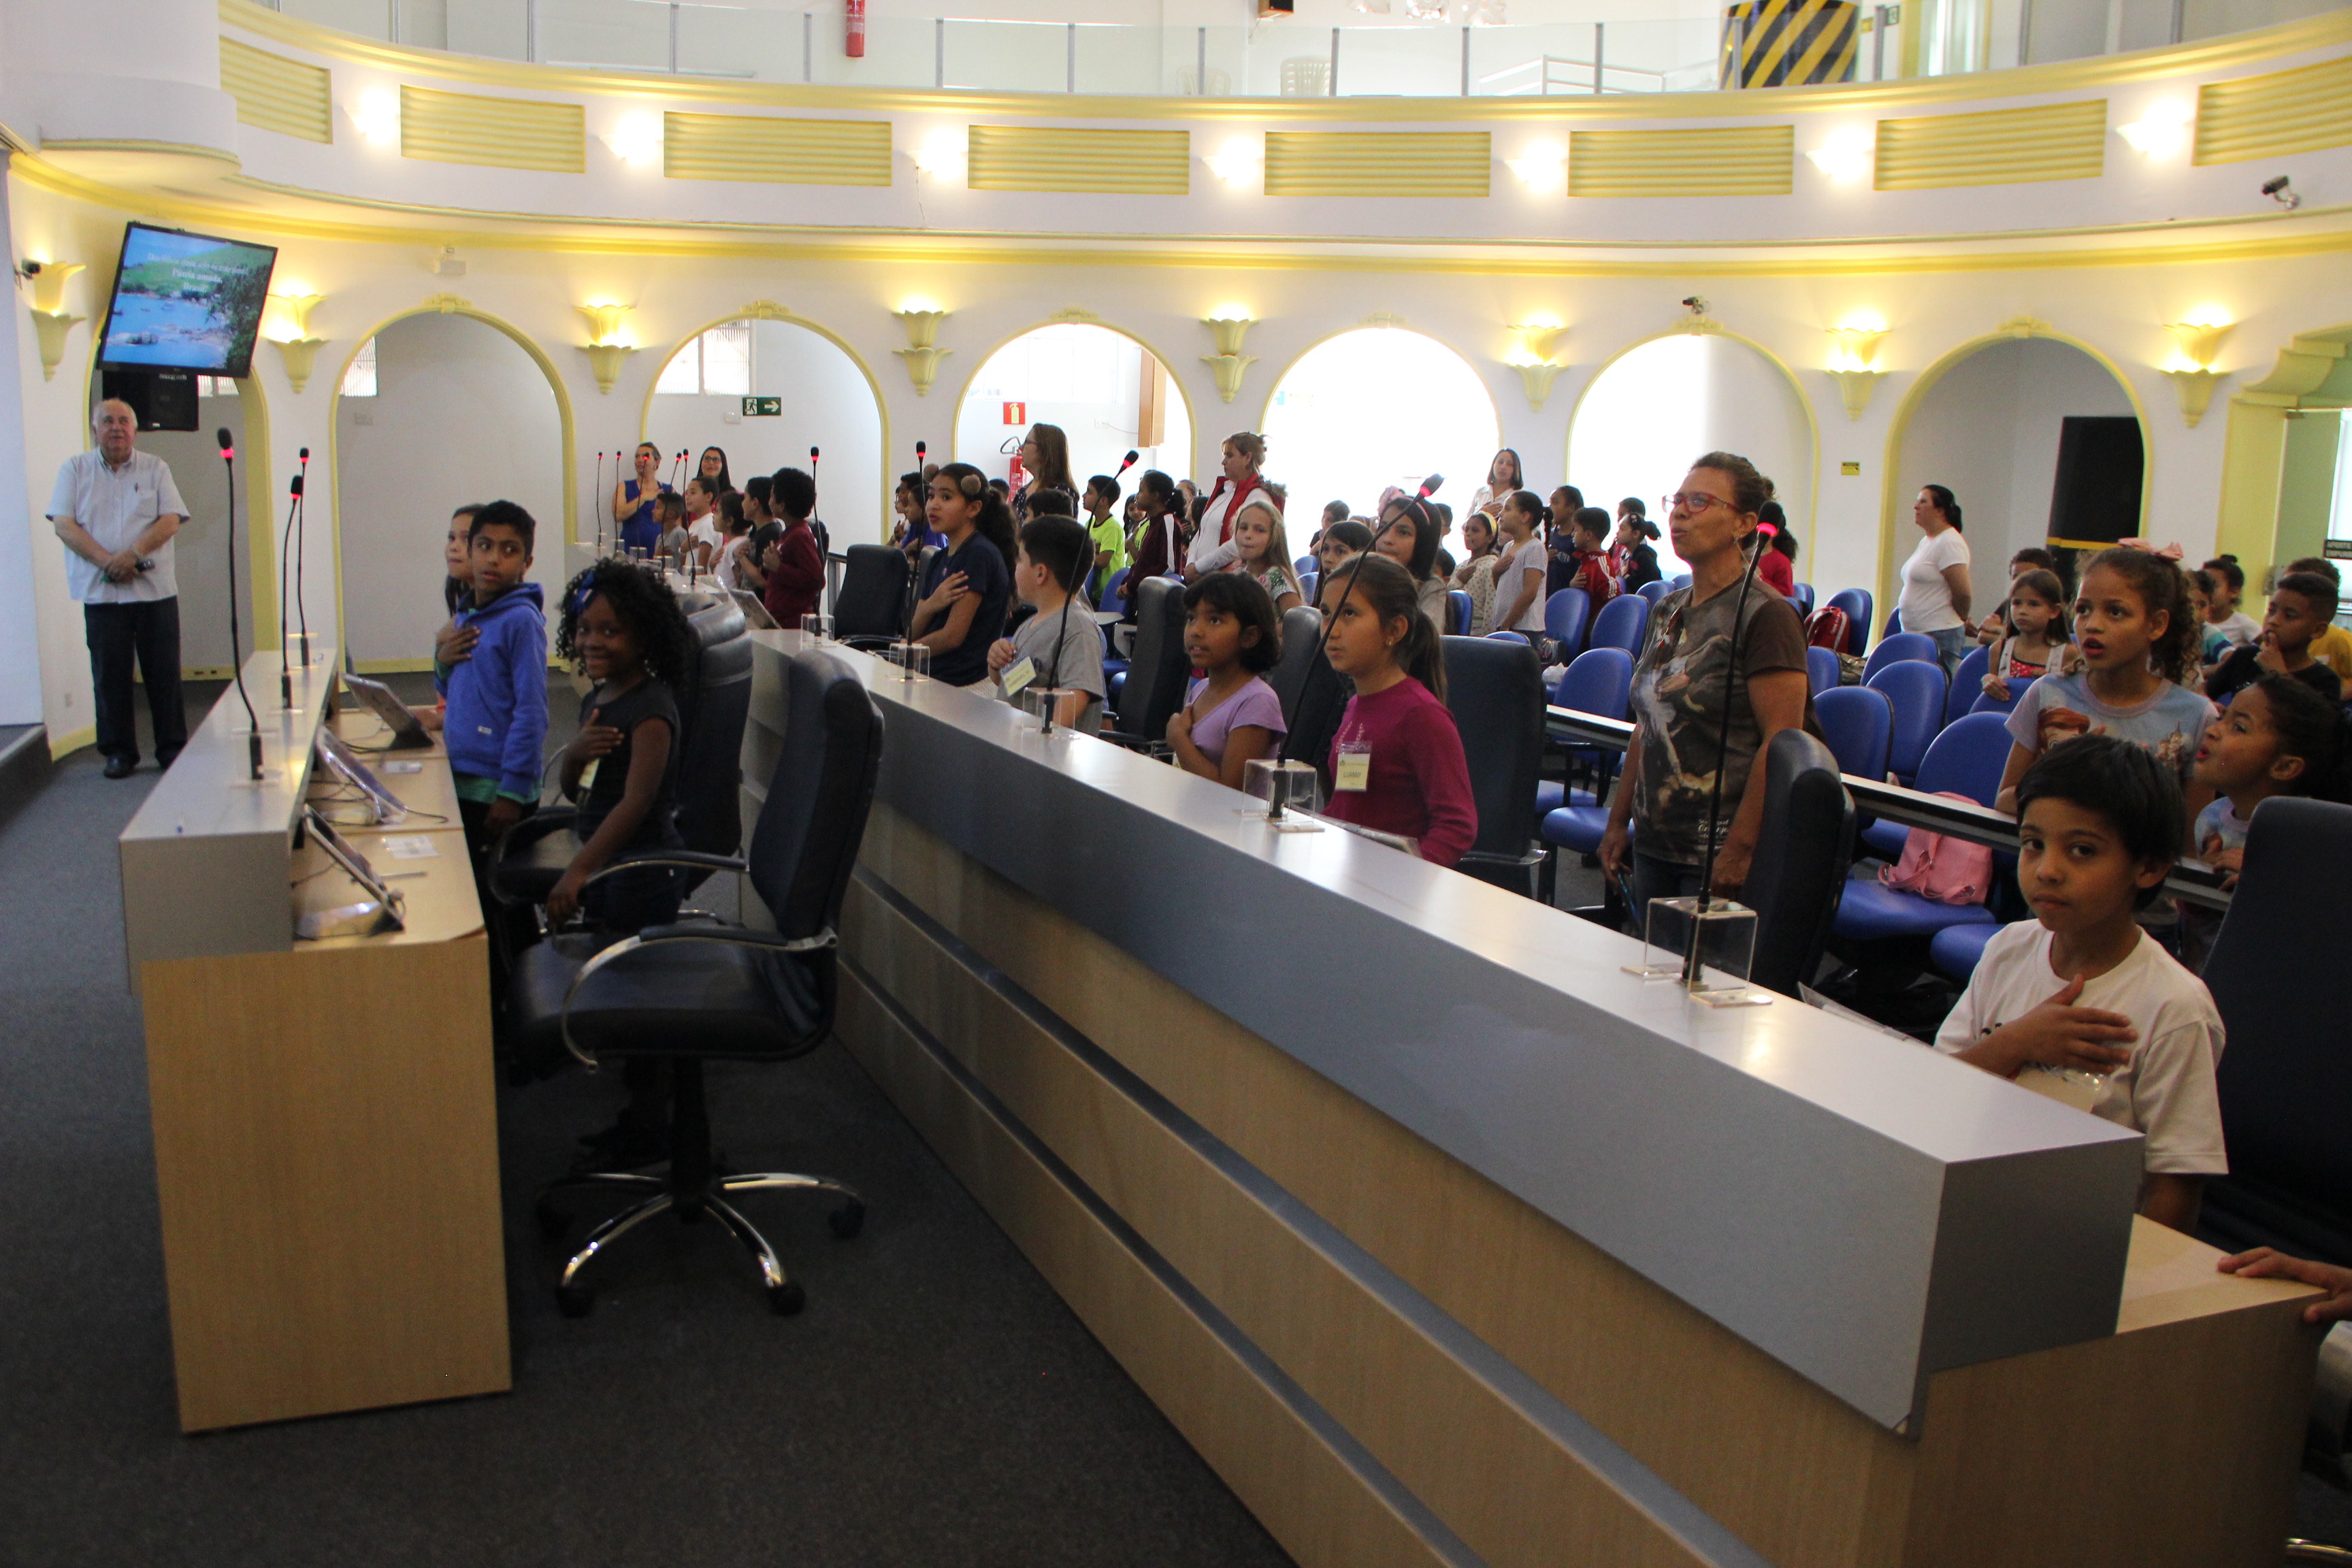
533	829
1533	857
675	859
652	936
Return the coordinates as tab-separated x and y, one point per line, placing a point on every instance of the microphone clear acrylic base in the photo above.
1704	946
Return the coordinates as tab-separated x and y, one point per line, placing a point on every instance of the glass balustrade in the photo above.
1399	58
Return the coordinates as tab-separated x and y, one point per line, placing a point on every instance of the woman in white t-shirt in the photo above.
1935	600
1502	477
1519	580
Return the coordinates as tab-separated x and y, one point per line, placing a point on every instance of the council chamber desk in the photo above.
326	1146
1445	1240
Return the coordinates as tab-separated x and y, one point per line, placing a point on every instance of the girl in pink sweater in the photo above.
1396	764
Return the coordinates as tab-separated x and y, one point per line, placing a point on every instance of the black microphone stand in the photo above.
301	554
285	547
237	662
1693	961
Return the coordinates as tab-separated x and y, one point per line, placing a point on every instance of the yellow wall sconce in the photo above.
922	352
291	335
606	350
1853	361
2192	373
1533	359
1228	364
46	281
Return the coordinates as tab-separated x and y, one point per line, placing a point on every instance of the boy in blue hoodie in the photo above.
496	726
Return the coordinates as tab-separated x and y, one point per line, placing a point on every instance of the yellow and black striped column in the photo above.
1789	42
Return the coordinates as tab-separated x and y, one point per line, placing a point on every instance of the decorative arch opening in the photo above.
1375	406
1109	392
457	406
1987	421
2286	476
825	396
1669	399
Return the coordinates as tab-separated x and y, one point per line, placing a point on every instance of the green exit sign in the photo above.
755	406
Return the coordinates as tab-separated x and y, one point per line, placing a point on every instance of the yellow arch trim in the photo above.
1716	330
1891	461
963	394
889	480
1399	325
444	307
260	496
2255	449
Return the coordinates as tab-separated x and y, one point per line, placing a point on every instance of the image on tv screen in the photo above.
185	301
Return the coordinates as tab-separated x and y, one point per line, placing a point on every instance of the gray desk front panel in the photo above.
205	860
1865	1212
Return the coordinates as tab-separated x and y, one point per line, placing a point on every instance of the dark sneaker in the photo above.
120	767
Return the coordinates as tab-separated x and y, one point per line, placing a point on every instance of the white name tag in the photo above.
1352	772
1018	674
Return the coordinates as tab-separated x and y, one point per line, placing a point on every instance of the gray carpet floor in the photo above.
935	1404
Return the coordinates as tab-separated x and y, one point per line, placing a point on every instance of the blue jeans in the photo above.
1951	644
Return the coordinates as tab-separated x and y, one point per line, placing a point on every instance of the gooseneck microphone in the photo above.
1429	487
1127	462
301	554
285	557
237	661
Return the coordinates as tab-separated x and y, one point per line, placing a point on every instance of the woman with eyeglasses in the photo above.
1936	595
1706	649
1045	459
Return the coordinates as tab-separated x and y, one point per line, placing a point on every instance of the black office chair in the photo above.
1158	672
2281	973
1496	692
1798	872
1313	694
686	994
870	607
534	854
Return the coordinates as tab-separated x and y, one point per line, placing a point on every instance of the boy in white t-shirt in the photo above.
2079	1003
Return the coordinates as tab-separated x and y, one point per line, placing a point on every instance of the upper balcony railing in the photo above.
1410	59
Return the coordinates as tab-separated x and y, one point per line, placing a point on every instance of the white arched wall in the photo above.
1372	407
1087	378
462	413
830	402
1988	429
1640	422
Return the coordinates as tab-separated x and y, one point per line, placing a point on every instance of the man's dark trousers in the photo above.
148	629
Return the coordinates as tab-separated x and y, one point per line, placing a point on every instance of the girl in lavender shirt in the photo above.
1231	717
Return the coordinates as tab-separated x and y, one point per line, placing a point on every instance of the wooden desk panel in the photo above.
326	1155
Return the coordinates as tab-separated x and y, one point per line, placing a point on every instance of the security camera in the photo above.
32	270
2281	191
1695	304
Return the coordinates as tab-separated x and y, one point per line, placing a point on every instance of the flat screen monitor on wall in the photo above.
2096	498
185	301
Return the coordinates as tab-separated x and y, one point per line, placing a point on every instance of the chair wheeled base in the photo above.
692	1188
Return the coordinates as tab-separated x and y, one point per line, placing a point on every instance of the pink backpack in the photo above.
1940	867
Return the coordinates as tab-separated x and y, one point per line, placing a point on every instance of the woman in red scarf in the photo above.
1244	454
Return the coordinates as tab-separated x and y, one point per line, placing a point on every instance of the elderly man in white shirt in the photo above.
117	509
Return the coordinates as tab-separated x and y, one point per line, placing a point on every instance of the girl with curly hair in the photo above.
624	629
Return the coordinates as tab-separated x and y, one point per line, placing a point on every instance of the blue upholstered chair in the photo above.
1898	645
1967	759
1858	725
1655	591
1968	684
1987	702
1598	682
1822	672
1856	603
1564	616
1916	691
1623	622
1457	613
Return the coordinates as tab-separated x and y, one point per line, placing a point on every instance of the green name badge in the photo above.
756	407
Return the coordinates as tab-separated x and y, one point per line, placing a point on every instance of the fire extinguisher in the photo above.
856	38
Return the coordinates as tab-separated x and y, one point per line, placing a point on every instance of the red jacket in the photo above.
796	581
